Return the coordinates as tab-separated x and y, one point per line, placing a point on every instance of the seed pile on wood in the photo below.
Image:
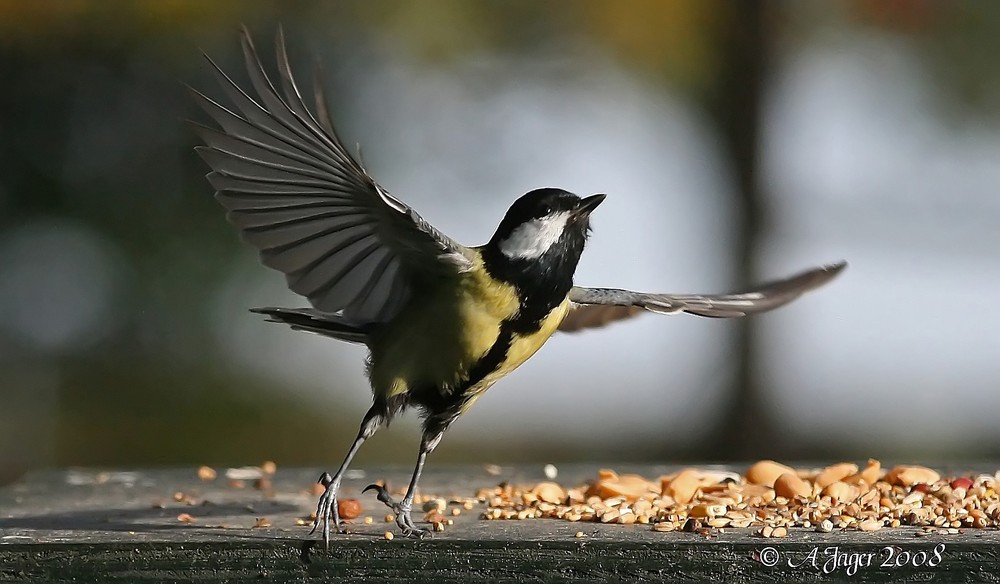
770	497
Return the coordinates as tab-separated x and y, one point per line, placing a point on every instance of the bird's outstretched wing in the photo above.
314	213
596	307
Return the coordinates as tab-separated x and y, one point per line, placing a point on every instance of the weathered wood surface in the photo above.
91	525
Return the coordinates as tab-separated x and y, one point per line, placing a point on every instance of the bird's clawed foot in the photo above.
401	511
327	508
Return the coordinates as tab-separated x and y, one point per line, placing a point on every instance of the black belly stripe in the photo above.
541	286
491	361
493	358
497	354
540	294
442	408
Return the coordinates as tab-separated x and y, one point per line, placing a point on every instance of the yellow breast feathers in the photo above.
450	333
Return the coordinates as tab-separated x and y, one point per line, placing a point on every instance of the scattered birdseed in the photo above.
838	496
207	473
262	522
389	518
579	534
185	518
387	535
551	472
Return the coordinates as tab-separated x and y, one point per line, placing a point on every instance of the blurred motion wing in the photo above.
597	307
311	210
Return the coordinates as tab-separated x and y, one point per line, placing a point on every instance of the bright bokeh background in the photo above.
124	334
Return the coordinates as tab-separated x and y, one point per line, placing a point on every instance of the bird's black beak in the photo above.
587	206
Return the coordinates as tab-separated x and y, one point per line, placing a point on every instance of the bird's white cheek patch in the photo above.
535	237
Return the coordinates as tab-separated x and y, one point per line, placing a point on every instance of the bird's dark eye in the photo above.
543	211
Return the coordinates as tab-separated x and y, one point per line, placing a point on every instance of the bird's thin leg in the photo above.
402	509
327	506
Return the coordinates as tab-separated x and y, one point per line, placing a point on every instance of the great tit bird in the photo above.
442	322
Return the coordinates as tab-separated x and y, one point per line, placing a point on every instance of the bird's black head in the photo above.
538	246
545	222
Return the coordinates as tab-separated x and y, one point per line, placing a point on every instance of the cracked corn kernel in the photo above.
349	508
834	473
765	472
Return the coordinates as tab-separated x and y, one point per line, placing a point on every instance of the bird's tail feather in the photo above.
314	321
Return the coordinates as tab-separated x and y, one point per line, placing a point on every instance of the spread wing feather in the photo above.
597	307
302	200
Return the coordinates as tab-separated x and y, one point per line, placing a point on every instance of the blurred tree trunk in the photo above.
746	429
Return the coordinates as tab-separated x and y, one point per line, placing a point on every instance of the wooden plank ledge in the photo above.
111	525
